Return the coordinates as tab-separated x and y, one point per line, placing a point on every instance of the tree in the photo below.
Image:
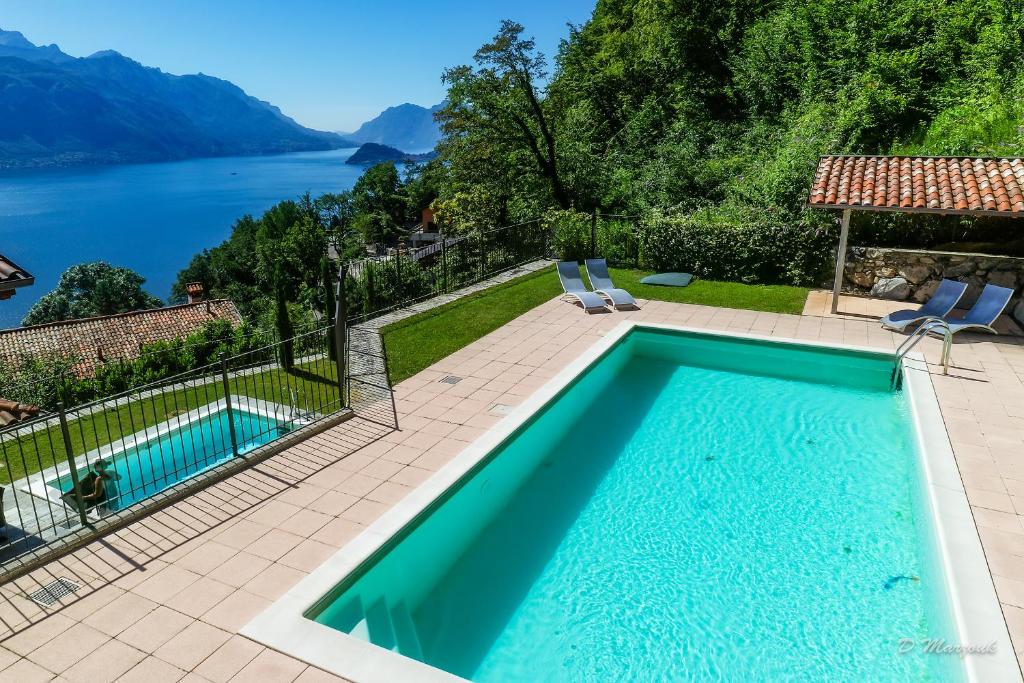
91	289
283	322
499	106
379	204
329	305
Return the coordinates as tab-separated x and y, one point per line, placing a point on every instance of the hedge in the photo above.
754	252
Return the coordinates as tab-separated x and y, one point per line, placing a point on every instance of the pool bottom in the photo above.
146	463
283	627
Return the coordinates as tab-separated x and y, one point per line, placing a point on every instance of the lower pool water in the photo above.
692	508
144	467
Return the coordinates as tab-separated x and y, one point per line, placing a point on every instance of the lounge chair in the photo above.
572	285
942	302
597	271
983	313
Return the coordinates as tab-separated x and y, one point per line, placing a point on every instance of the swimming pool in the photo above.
156	459
679	505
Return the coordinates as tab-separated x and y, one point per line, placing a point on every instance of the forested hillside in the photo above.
725	106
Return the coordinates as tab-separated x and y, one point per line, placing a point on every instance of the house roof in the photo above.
112	337
950	185
12	276
12	412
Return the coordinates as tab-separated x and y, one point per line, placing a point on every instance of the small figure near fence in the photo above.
93	487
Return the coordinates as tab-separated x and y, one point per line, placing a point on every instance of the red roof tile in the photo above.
12	412
112	337
12	276
920	184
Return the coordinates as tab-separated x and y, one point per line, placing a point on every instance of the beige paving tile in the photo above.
308	555
197	642
274	544
275	581
200	597
105	664
25	671
239	569
152	670
315	675
236	610
155	629
270	666
166	583
43	632
74	644
364	512
229	659
119	614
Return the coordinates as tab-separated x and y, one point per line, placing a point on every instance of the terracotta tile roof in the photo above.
959	185
12	411
12	276
112	337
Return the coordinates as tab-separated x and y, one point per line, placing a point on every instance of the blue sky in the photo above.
330	65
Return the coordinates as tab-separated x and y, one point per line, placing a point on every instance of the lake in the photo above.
151	218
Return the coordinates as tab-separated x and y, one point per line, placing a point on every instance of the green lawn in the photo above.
423	339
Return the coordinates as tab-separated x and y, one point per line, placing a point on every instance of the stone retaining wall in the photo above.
911	274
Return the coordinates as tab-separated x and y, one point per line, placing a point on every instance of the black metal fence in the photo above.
70	472
378	285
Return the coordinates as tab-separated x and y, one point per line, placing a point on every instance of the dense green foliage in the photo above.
724	107
91	289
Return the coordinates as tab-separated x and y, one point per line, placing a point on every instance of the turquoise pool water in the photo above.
691	508
148	467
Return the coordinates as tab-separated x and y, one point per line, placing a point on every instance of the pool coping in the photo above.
36	484
976	611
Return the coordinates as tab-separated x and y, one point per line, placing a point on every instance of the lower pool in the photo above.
144	465
690	506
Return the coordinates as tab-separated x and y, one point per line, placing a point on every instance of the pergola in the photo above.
956	186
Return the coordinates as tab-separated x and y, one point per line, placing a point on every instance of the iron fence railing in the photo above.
381	284
76	468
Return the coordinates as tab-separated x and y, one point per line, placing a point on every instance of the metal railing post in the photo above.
444	263
593	234
481	253
398	274
227	400
66	433
341	331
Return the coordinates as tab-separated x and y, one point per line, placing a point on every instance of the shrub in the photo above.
570	234
763	251
617	242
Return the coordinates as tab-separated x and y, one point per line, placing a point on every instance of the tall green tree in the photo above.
283	321
497	113
92	289
379	205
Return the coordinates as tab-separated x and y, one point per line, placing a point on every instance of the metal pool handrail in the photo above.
929	324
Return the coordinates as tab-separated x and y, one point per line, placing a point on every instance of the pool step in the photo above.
378	621
407	640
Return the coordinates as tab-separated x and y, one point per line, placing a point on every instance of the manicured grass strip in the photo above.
770	298
423	339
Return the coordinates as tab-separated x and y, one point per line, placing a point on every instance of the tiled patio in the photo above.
163	599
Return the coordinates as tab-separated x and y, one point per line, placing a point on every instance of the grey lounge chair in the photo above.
983	313
572	285
942	302
597	271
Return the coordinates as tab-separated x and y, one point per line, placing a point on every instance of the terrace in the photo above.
166	596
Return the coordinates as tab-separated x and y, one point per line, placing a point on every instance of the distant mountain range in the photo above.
409	127
59	110
372	153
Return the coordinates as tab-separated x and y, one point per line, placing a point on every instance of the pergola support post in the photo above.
837	286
